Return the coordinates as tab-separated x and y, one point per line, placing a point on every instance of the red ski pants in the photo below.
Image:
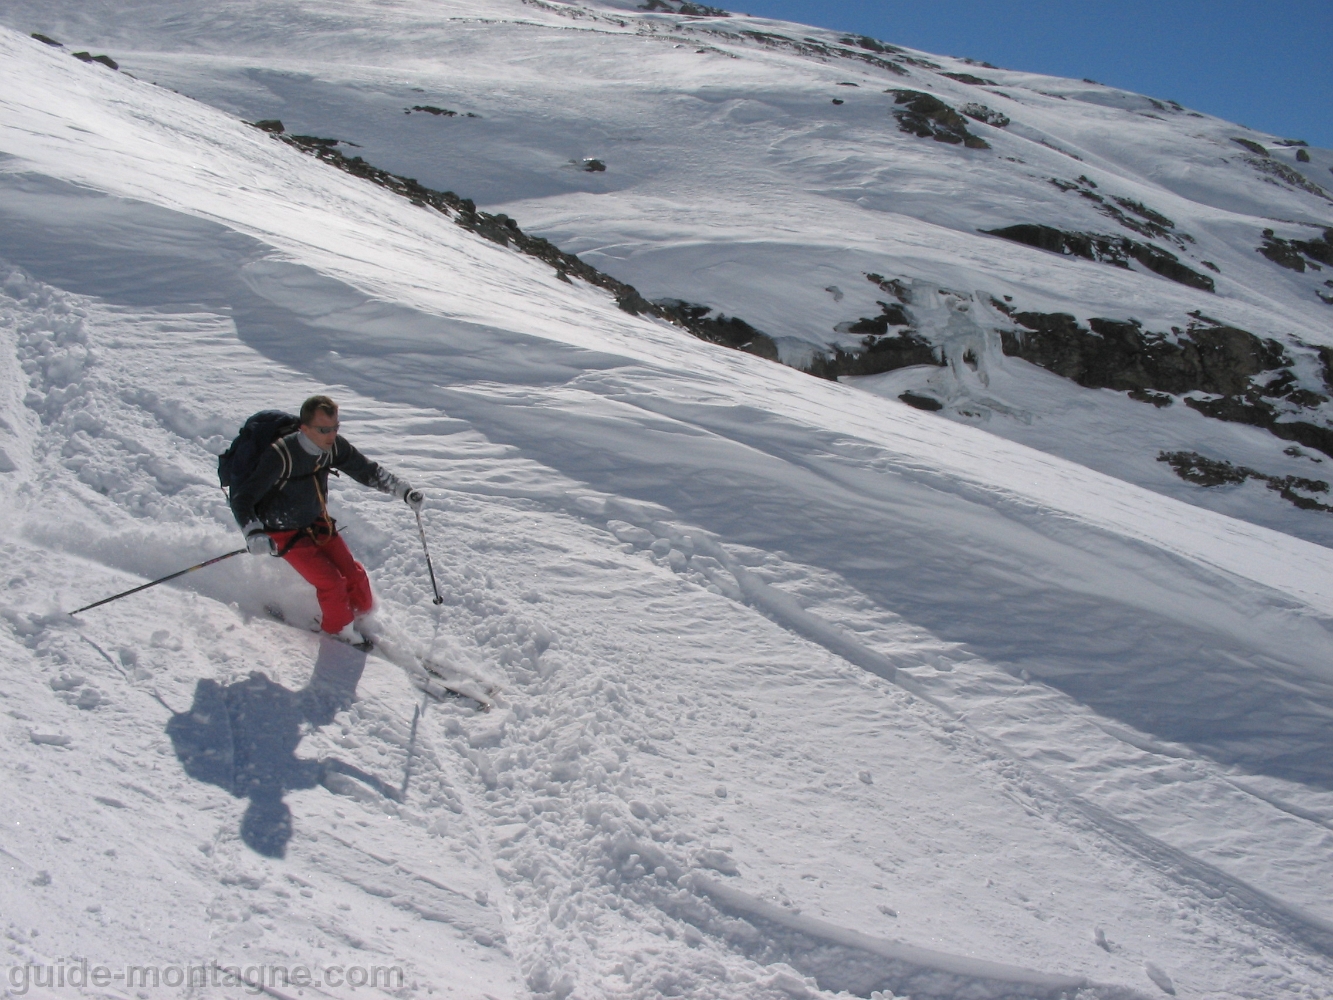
340	581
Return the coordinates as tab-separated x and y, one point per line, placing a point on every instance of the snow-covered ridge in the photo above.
805	690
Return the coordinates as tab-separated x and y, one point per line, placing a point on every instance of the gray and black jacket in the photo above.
291	482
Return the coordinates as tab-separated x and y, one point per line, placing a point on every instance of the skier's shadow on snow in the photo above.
243	737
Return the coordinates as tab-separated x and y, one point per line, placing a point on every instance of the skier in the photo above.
283	511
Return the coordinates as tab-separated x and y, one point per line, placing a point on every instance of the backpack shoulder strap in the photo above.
284	453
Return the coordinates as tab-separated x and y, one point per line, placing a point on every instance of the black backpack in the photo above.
238	463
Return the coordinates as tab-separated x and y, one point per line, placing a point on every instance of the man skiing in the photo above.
283	511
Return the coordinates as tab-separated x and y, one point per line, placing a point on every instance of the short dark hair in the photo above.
315	405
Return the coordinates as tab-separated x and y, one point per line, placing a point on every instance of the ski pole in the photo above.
145	586
421	530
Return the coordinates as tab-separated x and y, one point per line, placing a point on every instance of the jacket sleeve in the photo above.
347	459
249	493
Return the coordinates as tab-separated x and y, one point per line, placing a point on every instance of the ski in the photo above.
435	679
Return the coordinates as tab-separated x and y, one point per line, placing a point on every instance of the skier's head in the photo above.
319	420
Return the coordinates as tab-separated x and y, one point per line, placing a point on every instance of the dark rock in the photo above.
730	331
981	113
1211	266
88	57
1168	265
1325	355
867	43
1252	146
814	47
593	166
1116	250
107	61
49	41
872	44
1320	250
928	403
894	287
1212	358
430	109
1117	354
315	141
1291	254
884	354
270	125
892	315
688	9
930	118
836	101
1288	175
976	81
1209	472
1140	218
1194	468
1142	210
1302	156
1158	399
844	83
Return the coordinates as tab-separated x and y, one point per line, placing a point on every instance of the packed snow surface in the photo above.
802	691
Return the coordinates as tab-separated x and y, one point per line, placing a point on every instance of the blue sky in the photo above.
1262	63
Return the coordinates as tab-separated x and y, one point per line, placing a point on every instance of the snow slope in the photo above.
735	181
804	690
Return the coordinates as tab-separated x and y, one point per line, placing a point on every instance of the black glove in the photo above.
414	499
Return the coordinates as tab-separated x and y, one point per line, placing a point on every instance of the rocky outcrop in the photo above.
1195	468
989	116
729	331
688	9
1291	254
891	314
871	44
1252	146
46	40
928	117
928	403
813	47
1133	215
88	57
877	355
1244	378
1118	354
1116	250
1264	162
975	81
878	352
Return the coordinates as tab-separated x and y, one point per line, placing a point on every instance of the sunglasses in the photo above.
325	430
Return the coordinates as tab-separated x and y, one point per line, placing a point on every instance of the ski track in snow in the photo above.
770	671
